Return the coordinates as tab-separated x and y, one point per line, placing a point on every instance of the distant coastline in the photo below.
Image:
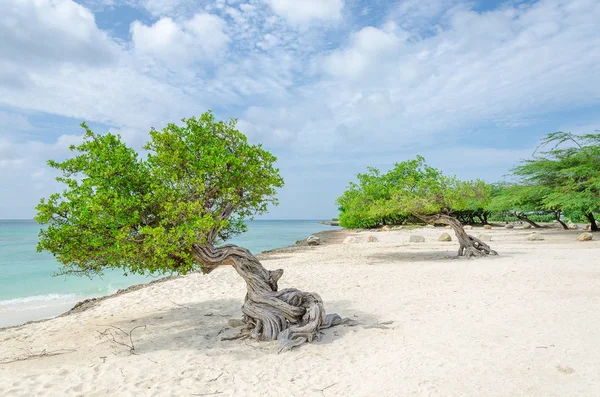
330	223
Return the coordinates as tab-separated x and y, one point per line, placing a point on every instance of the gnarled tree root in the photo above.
475	248
290	316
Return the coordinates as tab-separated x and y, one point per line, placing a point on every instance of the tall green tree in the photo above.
171	212
414	189
567	167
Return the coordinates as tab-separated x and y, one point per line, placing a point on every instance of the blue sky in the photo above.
329	86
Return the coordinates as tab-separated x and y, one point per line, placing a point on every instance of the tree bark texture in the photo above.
521	216
291	316
593	224
557	217
485	218
482	219
469	246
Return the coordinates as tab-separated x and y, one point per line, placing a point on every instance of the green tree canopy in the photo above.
409	189
412	189
566	169
367	203
198	184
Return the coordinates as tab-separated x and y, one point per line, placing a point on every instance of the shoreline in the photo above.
83	303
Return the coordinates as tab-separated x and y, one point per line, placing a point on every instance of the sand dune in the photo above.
524	323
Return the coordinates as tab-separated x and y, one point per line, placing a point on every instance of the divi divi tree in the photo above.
414	189
171	212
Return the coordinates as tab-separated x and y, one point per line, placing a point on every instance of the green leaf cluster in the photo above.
518	198
198	184
409	189
564	174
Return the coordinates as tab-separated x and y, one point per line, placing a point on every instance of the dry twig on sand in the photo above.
113	332
325	388
178	304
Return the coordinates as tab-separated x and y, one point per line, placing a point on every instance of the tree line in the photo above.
561	180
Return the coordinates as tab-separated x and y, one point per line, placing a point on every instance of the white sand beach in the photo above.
524	323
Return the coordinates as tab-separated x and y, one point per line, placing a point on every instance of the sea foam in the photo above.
37	302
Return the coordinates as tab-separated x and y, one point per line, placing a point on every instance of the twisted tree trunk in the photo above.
486	214
472	216
469	246
521	216
592	220
482	219
291	316
557	217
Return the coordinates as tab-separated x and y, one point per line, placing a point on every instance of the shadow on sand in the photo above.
405	257
200	326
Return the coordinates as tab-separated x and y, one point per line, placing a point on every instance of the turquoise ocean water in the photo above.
28	288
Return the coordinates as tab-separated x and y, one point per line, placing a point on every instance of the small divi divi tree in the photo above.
171	213
414	189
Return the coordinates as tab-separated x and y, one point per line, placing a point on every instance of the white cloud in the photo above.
306	11
201	38
422	16
368	48
268	41
162	7
274	128
155	8
114	96
9	158
39	33
507	67
429	75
